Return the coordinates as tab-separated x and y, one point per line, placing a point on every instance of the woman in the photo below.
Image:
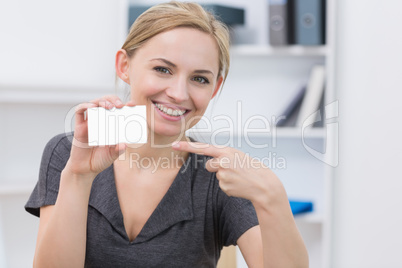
101	210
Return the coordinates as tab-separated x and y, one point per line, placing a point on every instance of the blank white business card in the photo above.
110	127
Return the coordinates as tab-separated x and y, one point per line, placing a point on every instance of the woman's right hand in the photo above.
88	160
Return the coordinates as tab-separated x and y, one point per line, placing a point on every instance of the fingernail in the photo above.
175	144
109	105
118	102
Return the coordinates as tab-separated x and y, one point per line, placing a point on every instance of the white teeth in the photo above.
169	111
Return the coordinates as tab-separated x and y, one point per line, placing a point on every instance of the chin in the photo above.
167	132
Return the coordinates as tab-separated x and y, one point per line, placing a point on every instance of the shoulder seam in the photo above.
50	158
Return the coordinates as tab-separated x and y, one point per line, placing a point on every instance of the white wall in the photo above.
53	55
47	43
368	187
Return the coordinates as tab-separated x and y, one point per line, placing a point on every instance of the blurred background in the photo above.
56	54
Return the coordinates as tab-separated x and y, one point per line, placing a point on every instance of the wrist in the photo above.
79	171
271	197
76	186
71	174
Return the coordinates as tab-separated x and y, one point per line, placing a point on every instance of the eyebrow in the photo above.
171	64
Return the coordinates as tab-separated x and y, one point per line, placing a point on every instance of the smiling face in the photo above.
175	74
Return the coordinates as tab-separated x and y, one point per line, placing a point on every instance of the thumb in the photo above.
118	150
213	165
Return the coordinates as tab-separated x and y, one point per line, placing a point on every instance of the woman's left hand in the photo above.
238	173
243	176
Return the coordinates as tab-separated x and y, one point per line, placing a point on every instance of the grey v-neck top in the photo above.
188	228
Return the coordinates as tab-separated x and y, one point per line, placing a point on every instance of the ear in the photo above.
122	64
218	86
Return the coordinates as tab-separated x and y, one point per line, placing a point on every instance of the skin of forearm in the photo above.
63	241
283	245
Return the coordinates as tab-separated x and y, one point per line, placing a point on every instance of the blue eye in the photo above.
201	80
162	70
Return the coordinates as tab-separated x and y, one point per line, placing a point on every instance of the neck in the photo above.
155	155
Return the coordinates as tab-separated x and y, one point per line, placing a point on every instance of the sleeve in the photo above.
54	159
235	217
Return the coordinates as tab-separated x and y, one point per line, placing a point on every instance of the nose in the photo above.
178	90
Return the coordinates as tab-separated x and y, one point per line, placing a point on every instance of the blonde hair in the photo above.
167	16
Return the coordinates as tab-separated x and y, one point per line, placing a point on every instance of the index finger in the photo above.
198	148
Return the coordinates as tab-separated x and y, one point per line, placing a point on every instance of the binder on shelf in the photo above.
309	22
313	95
280	22
291	111
320	123
299	207
227	14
